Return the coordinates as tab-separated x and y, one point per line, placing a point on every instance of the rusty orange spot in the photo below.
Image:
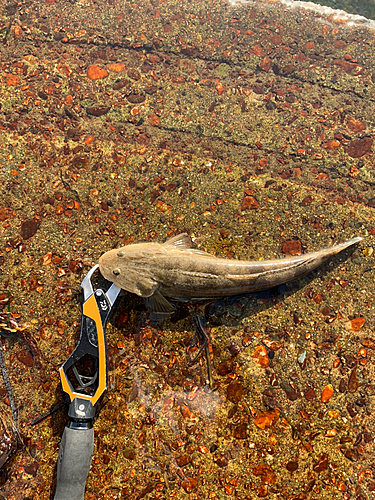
228	488
331	145
327	393
96	73
17	31
65	69
260	354
249	202
203	449
186	412
116	67
356	125
47	259
276	39
168	403
89	140
220	89
12	80
354	171
331	432
189	484
267	419
178	79
292	247
266	472
271	344
162	206
257	51
266	64
154	120
355	324
341	486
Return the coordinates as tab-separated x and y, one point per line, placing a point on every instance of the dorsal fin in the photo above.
183	242
180	242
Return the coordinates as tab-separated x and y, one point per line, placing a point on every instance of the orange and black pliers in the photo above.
84	379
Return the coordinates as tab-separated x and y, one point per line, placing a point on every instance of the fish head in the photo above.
130	267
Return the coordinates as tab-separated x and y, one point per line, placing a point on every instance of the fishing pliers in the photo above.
84	389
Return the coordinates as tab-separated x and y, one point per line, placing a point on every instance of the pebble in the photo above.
183	460
249	203
322	463
359	147
260	355
353	383
267	419
355	324
116	67
189	484
240	432
291	466
29	228
234	392
266	472
26	358
292	247
96	73
327	393
12	80
97	110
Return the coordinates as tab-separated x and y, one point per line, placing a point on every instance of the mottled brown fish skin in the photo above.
177	271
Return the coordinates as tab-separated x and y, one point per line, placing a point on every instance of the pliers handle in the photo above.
84	391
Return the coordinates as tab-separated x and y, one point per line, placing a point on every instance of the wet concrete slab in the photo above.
250	127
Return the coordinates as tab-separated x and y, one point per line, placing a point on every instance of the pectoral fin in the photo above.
143	286
159	307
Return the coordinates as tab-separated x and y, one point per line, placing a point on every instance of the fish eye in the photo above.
116	272
120	254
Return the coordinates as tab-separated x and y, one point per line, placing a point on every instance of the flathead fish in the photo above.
177	271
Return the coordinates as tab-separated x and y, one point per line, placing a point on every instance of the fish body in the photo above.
175	270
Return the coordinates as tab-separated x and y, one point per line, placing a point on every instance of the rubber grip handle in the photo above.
75	455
